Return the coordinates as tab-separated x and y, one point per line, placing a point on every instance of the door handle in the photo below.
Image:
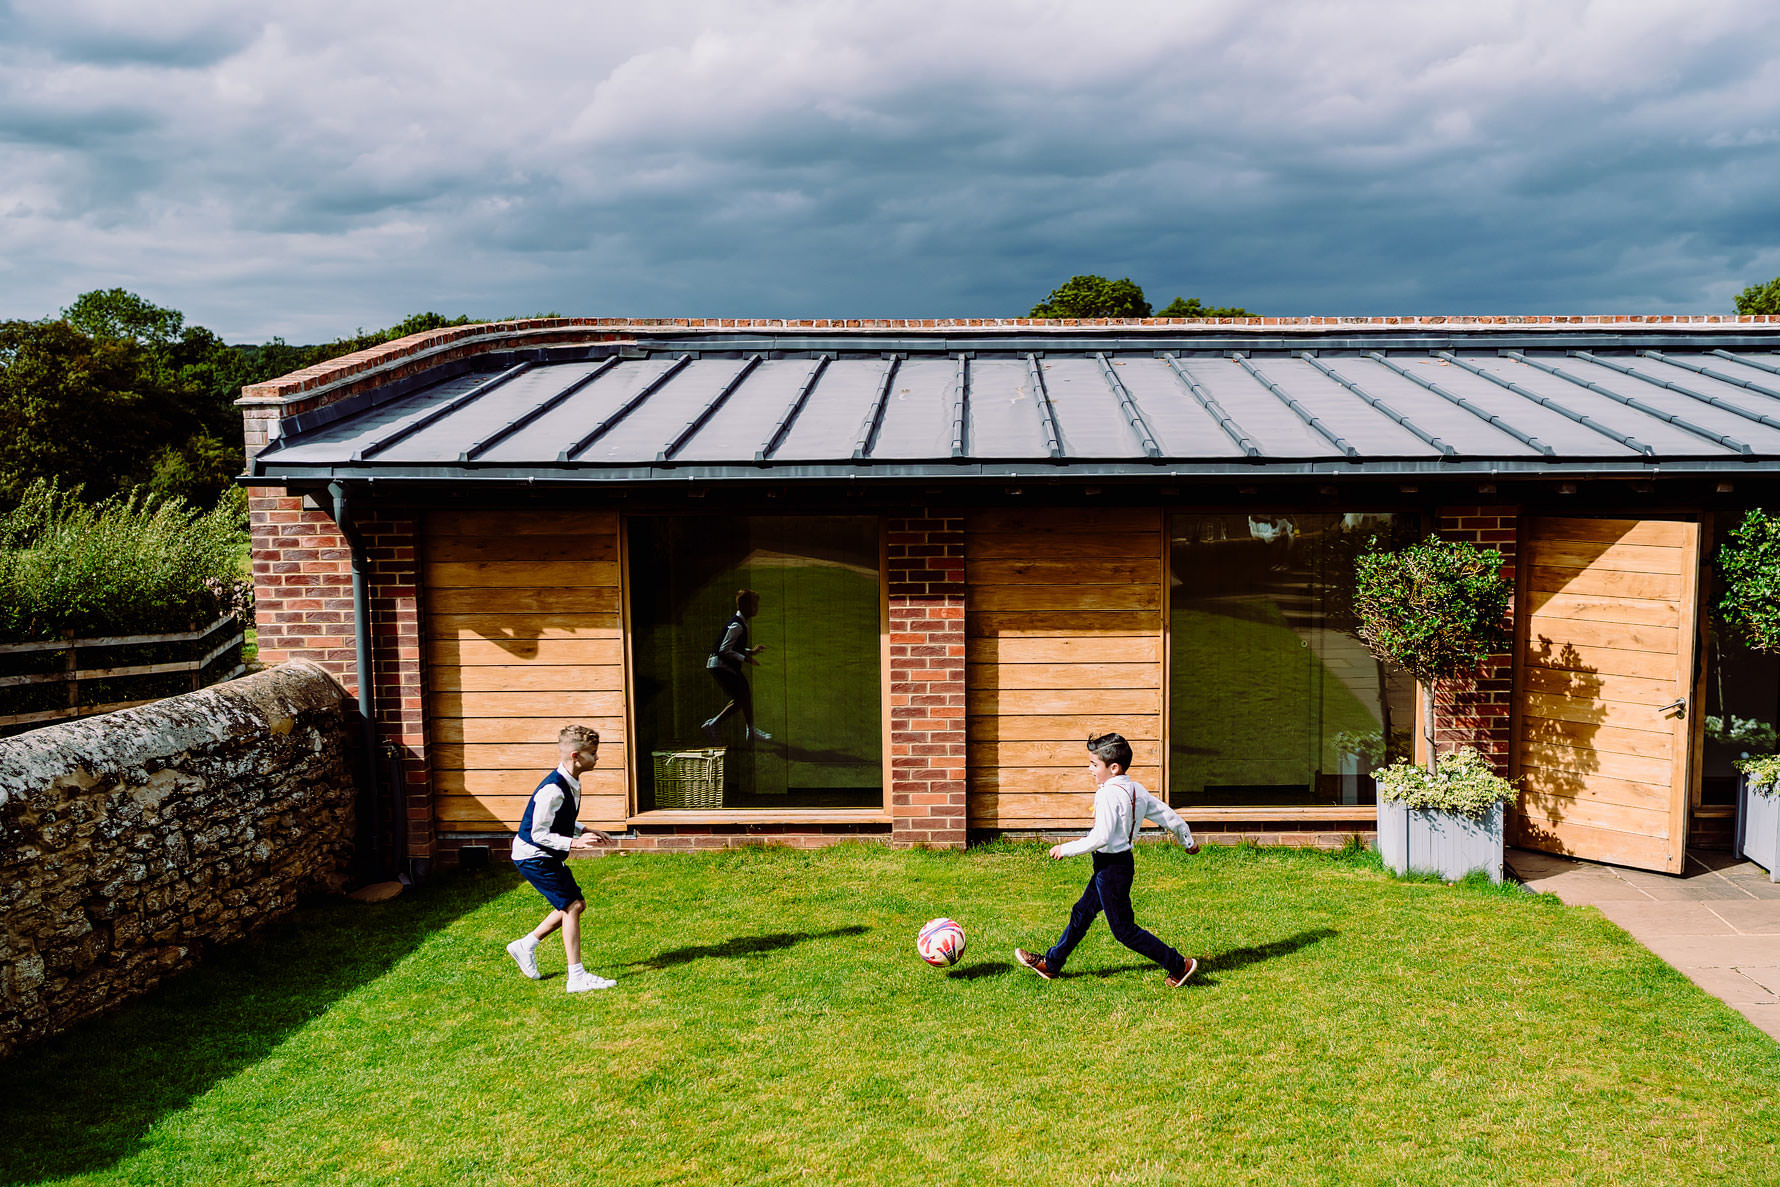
1679	707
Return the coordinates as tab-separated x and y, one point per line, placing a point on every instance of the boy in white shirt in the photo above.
1121	805
548	833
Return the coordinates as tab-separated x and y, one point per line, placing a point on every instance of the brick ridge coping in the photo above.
457	341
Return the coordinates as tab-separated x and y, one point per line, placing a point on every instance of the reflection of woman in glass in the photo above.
725	666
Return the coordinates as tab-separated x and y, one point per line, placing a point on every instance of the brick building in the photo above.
974	542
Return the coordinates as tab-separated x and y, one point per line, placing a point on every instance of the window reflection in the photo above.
800	726
1273	698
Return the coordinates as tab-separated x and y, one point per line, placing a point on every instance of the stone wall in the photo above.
132	841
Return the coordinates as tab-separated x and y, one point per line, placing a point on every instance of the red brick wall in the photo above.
926	591
1476	711
302	585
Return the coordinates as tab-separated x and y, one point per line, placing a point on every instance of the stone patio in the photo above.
1718	921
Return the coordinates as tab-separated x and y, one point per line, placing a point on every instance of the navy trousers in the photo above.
1109	891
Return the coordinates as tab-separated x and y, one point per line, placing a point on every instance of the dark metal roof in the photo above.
807	406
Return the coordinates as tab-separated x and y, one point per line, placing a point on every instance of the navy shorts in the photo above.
552	878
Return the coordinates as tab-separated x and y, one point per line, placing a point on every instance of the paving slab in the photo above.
1724	952
1765	975
1586	888
1650	918
1755	917
1734	987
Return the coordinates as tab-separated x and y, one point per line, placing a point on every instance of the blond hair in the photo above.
578	737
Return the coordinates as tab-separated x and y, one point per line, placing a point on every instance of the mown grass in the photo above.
773	1024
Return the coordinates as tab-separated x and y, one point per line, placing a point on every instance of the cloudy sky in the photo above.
307	169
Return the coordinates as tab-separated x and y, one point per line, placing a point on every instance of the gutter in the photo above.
371	790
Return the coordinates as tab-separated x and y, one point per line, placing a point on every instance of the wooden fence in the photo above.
58	679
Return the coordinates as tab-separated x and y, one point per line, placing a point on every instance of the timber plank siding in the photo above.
1063	625
524	637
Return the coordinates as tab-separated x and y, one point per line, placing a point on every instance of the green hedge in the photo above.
133	565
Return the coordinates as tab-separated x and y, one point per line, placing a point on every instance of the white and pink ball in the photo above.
940	943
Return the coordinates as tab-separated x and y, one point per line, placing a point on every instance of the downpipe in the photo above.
374	867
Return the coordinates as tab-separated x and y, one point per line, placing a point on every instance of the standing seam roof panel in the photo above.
1467	432
918	415
1005	421
1183	428
740	426
1665	439
542	440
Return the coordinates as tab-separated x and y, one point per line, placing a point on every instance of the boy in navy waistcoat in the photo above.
548	833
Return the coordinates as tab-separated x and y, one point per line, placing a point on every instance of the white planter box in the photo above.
1439	842
1758	826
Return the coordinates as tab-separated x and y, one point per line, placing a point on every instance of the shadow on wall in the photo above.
82	1101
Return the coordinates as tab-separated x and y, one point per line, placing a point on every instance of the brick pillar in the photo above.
1476	711
392	551
926	590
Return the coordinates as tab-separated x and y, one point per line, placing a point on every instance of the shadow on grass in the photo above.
742	946
1238	958
1234	959
82	1101
975	972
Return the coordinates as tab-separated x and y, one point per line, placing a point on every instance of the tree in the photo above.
1760	298
115	313
1436	608
1093	296
1191	307
120	395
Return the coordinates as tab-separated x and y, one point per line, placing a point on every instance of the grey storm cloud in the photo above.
308	169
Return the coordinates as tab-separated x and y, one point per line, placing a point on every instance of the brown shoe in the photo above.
1035	963
1186	975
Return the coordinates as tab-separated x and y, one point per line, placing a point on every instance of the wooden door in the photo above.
1605	687
1064	624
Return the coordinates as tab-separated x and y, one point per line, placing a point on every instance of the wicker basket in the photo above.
689	778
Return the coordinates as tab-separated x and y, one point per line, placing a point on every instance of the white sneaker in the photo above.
584	981
526	957
759	734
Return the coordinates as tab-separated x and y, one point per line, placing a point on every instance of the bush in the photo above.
132	565
1762	772
1463	784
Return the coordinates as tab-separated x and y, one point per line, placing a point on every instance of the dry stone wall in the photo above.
132	841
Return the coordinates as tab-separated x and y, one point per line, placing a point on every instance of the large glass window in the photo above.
799	728
1273	698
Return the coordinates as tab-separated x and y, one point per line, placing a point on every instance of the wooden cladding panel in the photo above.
1606	643
1064	638
524	635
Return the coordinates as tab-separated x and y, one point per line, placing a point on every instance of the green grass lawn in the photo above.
772	1023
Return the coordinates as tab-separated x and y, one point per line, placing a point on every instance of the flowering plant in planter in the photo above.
1463	783
1761	772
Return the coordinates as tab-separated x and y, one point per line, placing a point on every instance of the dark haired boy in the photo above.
725	665
1121	805
548	833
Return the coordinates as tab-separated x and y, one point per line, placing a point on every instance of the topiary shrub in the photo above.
1435	608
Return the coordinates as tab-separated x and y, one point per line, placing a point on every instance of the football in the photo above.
940	943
